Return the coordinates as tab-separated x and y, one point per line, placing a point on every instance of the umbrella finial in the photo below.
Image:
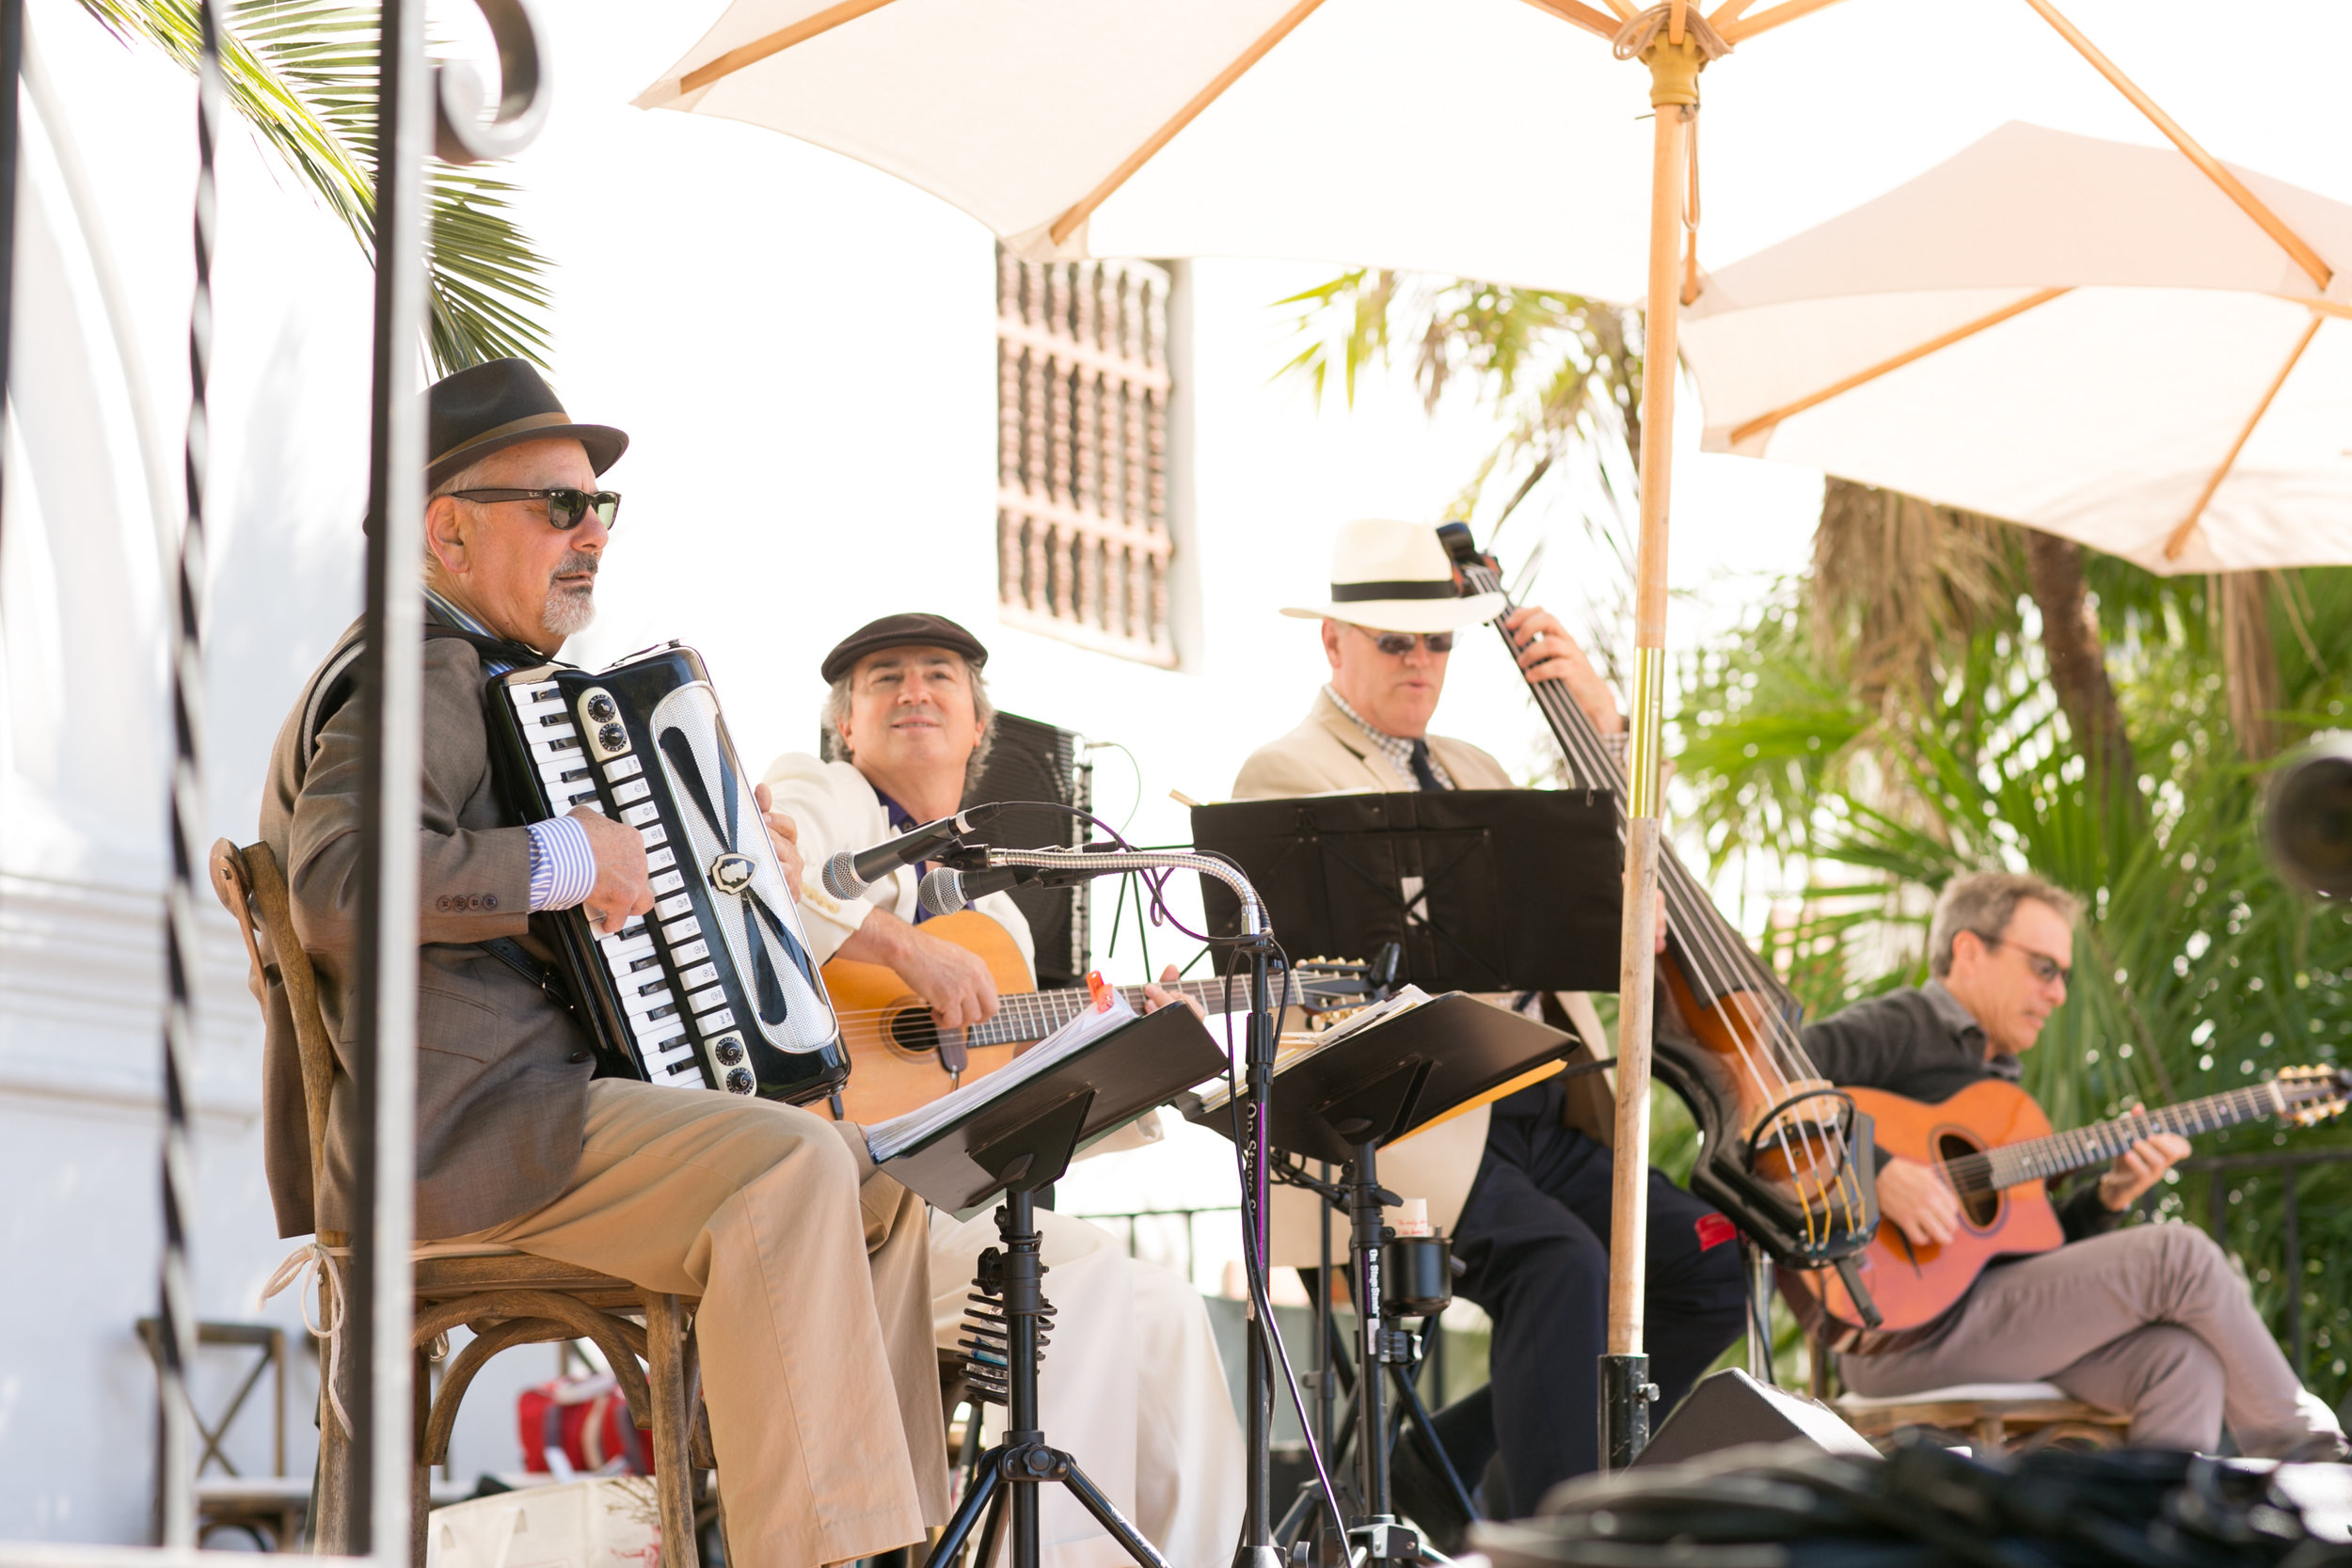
1676	49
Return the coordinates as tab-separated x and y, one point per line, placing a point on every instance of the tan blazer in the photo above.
501	1072
1329	753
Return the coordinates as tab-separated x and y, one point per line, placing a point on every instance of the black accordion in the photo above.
715	988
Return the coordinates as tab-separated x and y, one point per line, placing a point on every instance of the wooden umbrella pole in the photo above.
1626	1389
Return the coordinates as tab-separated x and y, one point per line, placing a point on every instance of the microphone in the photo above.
850	872
948	888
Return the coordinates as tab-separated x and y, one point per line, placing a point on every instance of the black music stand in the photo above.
1340	1105
1485	889
1014	1146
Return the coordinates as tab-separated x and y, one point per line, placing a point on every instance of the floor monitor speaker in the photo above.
1731	1408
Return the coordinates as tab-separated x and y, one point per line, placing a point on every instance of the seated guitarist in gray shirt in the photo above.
2147	1319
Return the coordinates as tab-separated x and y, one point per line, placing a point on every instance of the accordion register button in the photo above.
624	768
670	909
658	859
681	930
715	997
667	882
710	1023
636	790
641	813
701	975
656	834
689	952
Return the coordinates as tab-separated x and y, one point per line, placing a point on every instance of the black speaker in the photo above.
1730	1408
1034	761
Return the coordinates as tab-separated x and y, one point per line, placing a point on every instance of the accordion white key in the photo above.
715	988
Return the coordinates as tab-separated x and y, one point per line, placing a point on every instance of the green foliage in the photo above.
2195	968
302	72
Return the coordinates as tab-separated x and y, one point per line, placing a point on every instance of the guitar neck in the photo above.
2040	1159
1033	1015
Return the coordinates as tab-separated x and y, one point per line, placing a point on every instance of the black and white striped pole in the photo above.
182	940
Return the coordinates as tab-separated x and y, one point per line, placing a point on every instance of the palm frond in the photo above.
303	74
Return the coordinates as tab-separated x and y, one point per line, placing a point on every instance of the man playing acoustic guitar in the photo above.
2146	1319
1132	1384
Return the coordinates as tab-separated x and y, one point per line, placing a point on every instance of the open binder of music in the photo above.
1387	1073
1020	1123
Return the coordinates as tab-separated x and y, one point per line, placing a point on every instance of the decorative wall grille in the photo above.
1082	549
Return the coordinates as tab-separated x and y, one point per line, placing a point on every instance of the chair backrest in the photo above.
253	890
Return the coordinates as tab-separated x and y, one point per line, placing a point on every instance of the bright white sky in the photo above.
802	348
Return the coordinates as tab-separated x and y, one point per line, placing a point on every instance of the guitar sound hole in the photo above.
913	1033
1980	1205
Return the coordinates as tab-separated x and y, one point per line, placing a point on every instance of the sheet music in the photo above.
1295	1048
888	1139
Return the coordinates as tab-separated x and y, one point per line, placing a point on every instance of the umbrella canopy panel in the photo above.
2082	336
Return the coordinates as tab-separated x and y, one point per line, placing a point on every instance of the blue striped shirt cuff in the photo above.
562	868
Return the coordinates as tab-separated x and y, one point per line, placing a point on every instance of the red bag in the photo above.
586	1420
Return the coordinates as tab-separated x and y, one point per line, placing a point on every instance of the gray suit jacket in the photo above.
1328	752
501	1072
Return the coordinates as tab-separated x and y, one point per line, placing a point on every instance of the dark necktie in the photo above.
1422	773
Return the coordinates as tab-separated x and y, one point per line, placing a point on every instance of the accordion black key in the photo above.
715	988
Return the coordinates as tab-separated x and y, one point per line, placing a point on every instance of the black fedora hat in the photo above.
500	403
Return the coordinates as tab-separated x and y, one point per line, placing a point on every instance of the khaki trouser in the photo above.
815	1340
2149	1321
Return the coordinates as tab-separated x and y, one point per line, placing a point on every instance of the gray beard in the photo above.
569	611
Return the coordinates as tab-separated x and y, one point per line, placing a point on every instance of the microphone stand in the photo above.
1257	1548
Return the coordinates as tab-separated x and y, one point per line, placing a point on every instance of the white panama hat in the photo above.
1388	576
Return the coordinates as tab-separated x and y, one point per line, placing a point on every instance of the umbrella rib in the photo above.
1764	22
1582	15
1728	12
2178	542
1068	223
776	43
1838	388
2231	187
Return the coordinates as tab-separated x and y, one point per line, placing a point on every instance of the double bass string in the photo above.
1722	968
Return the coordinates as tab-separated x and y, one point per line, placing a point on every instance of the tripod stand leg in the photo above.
1424	1430
1107	1514
967	1513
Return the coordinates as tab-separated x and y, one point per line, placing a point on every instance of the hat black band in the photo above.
1355	593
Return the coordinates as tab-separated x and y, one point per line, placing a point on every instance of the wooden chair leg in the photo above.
331	1529
420	1468
673	1472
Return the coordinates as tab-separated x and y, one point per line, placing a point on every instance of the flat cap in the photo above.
916	630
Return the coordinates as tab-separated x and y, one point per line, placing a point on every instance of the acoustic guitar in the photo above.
900	1060
1992	1143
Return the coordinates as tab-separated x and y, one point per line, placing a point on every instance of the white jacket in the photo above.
835	808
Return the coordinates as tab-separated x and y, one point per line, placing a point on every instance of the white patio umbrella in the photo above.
2085	336
1403	133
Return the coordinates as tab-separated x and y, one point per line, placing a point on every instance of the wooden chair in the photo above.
1989	1418
507	1297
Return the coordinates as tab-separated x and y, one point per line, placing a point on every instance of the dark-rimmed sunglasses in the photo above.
2045	968
567	507
1396	644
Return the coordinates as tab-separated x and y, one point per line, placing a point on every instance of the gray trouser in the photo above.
2149	1320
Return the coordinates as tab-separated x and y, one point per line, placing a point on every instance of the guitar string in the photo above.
2077	1147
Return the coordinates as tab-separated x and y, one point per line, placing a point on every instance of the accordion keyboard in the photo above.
664	1045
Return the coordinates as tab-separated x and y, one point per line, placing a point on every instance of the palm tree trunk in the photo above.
2249	662
2078	665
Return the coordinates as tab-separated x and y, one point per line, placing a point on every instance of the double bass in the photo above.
1785	1155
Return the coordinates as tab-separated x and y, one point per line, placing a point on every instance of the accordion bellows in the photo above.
715	988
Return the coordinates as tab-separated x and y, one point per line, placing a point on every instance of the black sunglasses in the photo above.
567	507
1396	644
2043	967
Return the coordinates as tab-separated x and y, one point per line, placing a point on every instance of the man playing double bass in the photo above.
2149	1318
1529	1177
